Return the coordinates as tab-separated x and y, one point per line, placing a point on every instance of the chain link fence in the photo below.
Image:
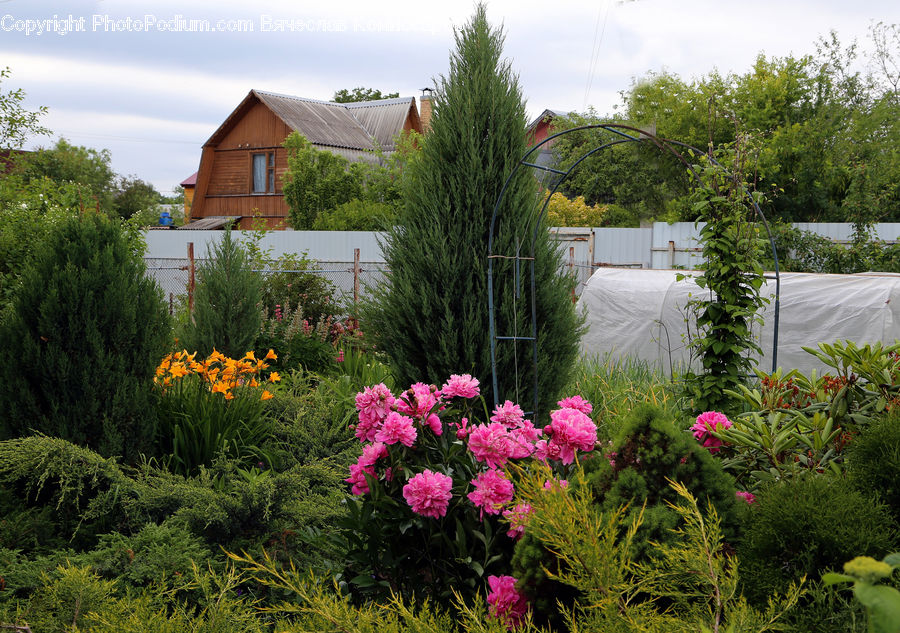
351	280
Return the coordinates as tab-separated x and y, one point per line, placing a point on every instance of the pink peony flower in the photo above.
365	464
462	429
576	402
749	497
707	422
517	517
373	405
461	387
504	602
434	423
418	400
508	414
551	484
570	430
490	443
492	491
397	428
428	493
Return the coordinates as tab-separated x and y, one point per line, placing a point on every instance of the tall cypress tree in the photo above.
432	315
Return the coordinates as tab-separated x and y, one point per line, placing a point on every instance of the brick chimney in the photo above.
425	109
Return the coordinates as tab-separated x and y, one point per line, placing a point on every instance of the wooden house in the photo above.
243	162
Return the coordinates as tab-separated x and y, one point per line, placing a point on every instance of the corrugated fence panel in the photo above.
325	246
622	247
675	245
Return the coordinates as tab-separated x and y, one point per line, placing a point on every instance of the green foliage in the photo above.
616	386
874	461
211	409
356	215
733	276
361	94
30	210
150	555
312	423
81	339
687	583
826	129
67	596
648	451
226	303
134	196
562	211
804	526
431	316
17	123
85	166
316	181
632	478
881	602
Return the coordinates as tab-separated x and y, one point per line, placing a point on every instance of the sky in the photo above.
152	81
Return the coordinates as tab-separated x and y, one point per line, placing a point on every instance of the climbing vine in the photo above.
725	345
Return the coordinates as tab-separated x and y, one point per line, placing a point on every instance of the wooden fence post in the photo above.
190	254
356	272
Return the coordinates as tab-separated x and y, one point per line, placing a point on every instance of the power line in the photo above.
595	50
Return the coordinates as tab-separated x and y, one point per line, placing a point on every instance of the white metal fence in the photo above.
583	250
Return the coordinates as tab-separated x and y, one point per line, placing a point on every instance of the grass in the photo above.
616	385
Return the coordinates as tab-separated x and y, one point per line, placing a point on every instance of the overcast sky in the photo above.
151	81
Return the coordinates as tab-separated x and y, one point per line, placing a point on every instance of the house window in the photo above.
263	172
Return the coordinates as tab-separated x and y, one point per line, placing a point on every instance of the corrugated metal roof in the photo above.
351	129
382	119
363	126
212	222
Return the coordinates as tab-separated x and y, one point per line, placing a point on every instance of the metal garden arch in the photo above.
620	134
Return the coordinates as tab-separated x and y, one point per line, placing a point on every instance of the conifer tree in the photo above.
227	314
432	315
81	339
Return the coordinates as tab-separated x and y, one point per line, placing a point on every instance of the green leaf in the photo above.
883	604
832	578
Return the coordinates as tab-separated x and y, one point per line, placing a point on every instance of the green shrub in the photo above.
81	490
226	303
874	461
150	555
806	526
293	283
356	215
298	342
648	454
80	342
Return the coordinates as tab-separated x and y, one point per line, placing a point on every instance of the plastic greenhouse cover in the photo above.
643	314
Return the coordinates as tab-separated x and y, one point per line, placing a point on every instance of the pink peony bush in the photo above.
433	499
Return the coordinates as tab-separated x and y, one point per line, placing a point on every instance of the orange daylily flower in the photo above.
229	395
274	377
266	396
271	355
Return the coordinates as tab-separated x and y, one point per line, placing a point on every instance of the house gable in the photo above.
256	130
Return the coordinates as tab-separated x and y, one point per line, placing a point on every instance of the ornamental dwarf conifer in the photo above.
226	315
81	339
432	315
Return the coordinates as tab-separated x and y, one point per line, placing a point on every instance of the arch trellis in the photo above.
620	134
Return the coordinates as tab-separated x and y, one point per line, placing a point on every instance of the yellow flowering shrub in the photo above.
561	211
